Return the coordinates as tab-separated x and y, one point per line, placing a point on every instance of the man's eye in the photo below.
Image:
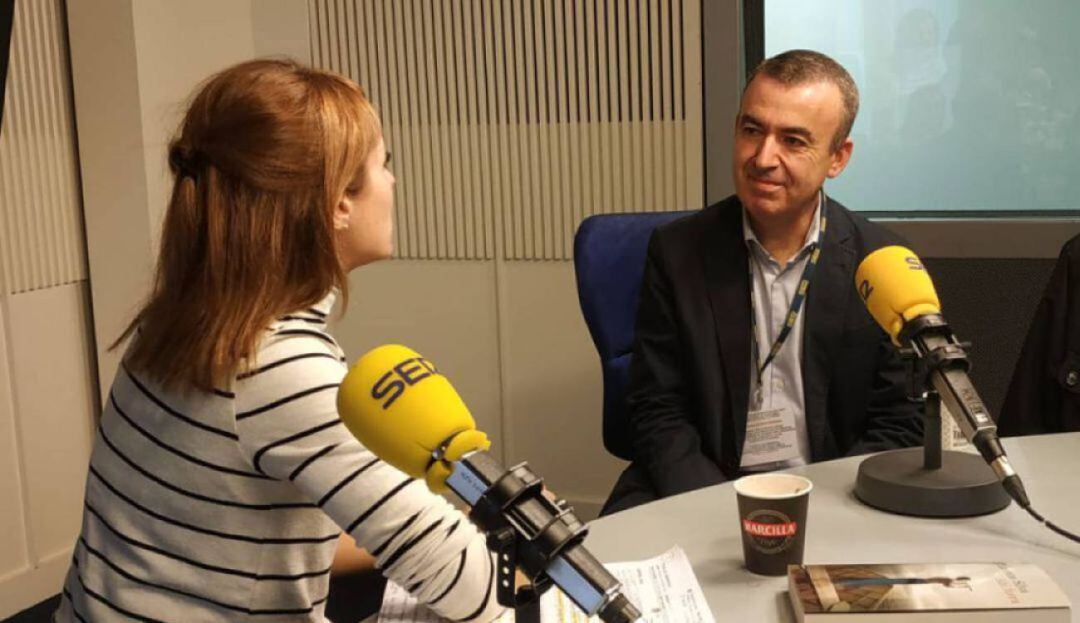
794	141
750	130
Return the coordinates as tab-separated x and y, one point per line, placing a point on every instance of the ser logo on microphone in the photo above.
865	289
914	263
399	378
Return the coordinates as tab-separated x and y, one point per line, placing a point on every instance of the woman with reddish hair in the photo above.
222	479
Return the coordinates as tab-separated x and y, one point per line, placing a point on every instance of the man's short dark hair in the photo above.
796	67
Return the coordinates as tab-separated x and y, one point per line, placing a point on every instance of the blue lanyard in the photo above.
796	302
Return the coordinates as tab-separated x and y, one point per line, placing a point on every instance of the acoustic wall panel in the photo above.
511	121
41	231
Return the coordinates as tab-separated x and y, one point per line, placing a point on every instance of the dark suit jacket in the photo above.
690	374
1044	396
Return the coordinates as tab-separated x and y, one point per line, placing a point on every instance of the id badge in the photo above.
770	437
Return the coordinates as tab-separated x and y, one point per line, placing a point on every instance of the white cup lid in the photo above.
773	486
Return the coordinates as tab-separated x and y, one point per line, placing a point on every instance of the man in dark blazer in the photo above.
717	284
1044	396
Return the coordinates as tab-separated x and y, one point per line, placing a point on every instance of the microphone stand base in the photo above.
898	482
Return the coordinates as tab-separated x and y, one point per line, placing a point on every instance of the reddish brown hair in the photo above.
263	155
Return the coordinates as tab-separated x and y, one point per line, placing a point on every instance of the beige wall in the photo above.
47	399
444	310
47	380
553	384
509	335
134	64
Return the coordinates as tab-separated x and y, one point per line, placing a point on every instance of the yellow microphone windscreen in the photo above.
401	408
895	286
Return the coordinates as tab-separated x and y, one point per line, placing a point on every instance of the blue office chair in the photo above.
609	259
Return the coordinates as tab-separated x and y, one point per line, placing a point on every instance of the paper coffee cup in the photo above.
772	520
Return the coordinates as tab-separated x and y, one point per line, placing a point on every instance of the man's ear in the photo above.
841	157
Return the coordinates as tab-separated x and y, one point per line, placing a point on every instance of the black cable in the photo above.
1049	524
1015	488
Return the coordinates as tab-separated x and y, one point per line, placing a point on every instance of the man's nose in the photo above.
767	154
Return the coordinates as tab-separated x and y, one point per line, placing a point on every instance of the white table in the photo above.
840	529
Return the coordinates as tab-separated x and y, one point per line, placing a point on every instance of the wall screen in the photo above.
967	105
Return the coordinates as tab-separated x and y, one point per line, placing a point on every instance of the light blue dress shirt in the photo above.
773	286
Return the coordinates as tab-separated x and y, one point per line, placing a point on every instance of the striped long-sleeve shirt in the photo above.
227	506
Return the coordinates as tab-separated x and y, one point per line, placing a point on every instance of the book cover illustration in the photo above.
922	587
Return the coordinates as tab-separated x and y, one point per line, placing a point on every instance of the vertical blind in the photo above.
41	231
511	121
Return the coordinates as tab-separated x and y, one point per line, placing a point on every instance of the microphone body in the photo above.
933	341
899	294
406	412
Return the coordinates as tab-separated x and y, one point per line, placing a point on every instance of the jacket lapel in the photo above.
824	324
728	285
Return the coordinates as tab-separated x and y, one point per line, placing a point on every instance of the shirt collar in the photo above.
811	234
319	312
327	303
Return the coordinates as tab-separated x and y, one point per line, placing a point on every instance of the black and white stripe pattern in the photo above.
227	505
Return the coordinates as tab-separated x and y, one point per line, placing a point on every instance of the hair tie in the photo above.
184	164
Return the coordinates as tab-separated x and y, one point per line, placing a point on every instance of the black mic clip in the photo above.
915	373
545	538
525	529
944	352
524	600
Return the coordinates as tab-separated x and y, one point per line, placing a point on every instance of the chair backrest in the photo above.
609	259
